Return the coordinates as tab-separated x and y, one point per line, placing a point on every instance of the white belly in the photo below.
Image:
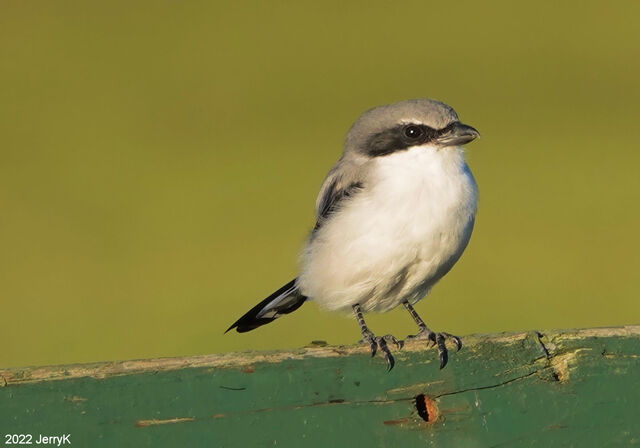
395	239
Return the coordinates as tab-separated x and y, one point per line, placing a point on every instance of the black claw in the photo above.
390	362
376	343
442	350
389	338
456	340
444	358
432	339
438	339
382	343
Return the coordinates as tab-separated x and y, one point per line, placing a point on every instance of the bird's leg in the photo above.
435	338
374	341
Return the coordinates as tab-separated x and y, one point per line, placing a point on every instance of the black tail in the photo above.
284	301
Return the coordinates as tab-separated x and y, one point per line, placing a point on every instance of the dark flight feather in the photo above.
332	198
284	301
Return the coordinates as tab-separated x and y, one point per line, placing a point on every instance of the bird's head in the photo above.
395	127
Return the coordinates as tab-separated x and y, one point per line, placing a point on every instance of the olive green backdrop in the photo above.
159	162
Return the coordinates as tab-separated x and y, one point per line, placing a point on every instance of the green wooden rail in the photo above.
560	388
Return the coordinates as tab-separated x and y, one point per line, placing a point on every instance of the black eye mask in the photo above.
402	137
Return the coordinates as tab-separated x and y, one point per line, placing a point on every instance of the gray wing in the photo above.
344	180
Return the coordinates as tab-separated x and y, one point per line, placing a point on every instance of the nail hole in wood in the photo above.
426	408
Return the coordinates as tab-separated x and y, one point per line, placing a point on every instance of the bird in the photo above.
393	215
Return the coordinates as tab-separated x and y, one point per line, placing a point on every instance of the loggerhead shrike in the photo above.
393	216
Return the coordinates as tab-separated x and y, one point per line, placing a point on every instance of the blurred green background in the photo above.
160	162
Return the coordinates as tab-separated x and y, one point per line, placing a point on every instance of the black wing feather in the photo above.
285	300
332	199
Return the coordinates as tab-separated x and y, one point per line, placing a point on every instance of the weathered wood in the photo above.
570	388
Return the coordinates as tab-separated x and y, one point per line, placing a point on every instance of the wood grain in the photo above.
555	388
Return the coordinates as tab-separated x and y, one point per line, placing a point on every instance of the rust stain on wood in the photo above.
398	421
432	409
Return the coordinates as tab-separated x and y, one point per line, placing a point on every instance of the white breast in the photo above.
396	238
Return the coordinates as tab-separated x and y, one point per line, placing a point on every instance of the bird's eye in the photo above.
413	132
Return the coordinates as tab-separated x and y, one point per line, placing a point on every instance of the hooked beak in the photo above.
456	134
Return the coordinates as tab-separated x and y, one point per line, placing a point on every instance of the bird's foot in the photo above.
381	342
438	339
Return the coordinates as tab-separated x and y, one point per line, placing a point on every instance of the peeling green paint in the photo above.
570	388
